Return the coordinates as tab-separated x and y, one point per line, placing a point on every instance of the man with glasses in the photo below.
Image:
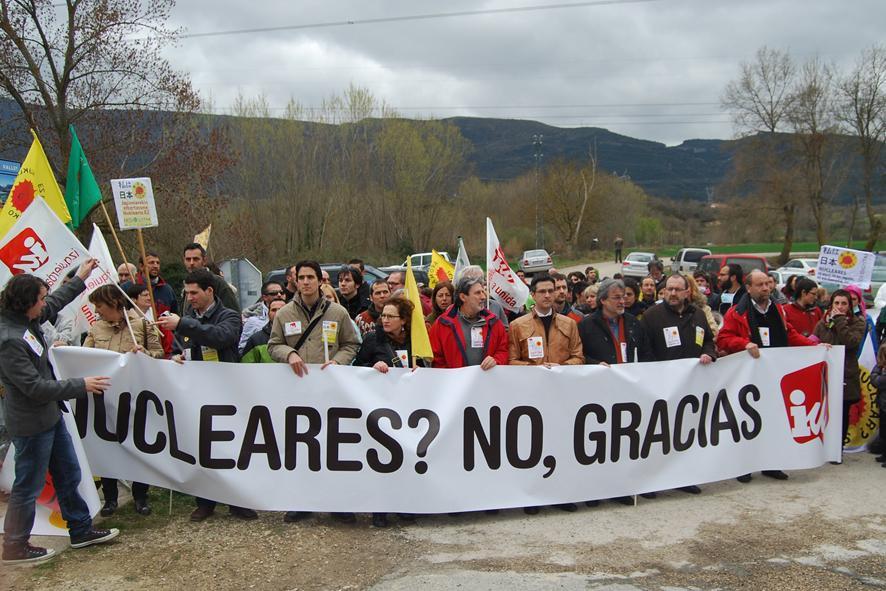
255	317
610	335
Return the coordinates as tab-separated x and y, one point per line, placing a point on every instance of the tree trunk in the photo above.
789	211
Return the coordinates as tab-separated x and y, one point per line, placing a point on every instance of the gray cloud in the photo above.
626	67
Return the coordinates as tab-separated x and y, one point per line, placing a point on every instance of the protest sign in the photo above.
437	440
134	200
845	266
104	274
502	282
40	244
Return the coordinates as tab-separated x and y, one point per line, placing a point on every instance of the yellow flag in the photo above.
440	269
35	179
203	237
421	343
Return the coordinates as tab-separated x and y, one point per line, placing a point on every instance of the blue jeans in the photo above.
35	454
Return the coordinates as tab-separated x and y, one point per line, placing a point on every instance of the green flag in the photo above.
81	190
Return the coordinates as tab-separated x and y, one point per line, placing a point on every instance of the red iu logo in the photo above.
805	394
25	253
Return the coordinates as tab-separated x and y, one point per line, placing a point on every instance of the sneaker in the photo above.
94	536
243	513
777	474
141	507
25	553
201	513
295	516
691	489
744	478
881	458
108	508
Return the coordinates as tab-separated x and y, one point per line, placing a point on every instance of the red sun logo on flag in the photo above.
23	194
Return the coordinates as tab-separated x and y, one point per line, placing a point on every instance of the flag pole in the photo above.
114	234
141	246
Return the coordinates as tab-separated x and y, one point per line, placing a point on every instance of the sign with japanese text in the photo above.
134	200
845	266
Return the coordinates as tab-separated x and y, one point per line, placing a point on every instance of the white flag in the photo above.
48	521
503	283
461	261
104	274
40	244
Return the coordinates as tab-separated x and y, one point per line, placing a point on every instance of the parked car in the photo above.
422	260
536	261
686	259
712	263
636	264
781	277
421	275
799	267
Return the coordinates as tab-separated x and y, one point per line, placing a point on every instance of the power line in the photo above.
415	17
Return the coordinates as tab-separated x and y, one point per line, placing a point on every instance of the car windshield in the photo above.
639	257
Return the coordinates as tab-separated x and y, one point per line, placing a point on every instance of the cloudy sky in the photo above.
651	69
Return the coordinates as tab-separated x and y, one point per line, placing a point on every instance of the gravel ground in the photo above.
822	529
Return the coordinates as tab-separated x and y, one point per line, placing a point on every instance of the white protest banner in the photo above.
40	244
134	200
845	266
48	520
104	274
502	282
438	440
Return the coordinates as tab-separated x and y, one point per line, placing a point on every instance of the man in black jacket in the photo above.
610	335
33	404
730	281
208	332
678	330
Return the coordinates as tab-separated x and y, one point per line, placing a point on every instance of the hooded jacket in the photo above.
449	345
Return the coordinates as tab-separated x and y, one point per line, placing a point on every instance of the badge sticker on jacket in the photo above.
403	356
476	337
672	336
208	354
330	331
536	347
33	343
764	335
292	328
699	336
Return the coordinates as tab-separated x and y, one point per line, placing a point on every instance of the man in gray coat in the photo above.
33	404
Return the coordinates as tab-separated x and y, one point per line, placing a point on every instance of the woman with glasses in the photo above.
390	345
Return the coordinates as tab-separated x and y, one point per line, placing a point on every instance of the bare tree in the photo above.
63	63
862	110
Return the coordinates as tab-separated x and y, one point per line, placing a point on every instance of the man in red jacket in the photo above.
469	334
755	322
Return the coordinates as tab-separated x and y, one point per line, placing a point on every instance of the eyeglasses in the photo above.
273	293
388	317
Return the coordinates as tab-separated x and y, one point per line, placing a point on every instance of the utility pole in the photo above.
537	142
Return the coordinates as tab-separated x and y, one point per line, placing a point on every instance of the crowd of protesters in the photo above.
305	321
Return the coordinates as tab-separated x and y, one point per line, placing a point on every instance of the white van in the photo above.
422	260
686	259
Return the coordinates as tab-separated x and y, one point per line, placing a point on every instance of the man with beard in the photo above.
729	280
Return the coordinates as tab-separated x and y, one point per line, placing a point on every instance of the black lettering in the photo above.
536	437
684	444
620	430
100	420
174	451
598	438
140	424
335	438
81	415
756	420
389	443
208	435
490	446
658	430
723	407
259	416
307	437
702	420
